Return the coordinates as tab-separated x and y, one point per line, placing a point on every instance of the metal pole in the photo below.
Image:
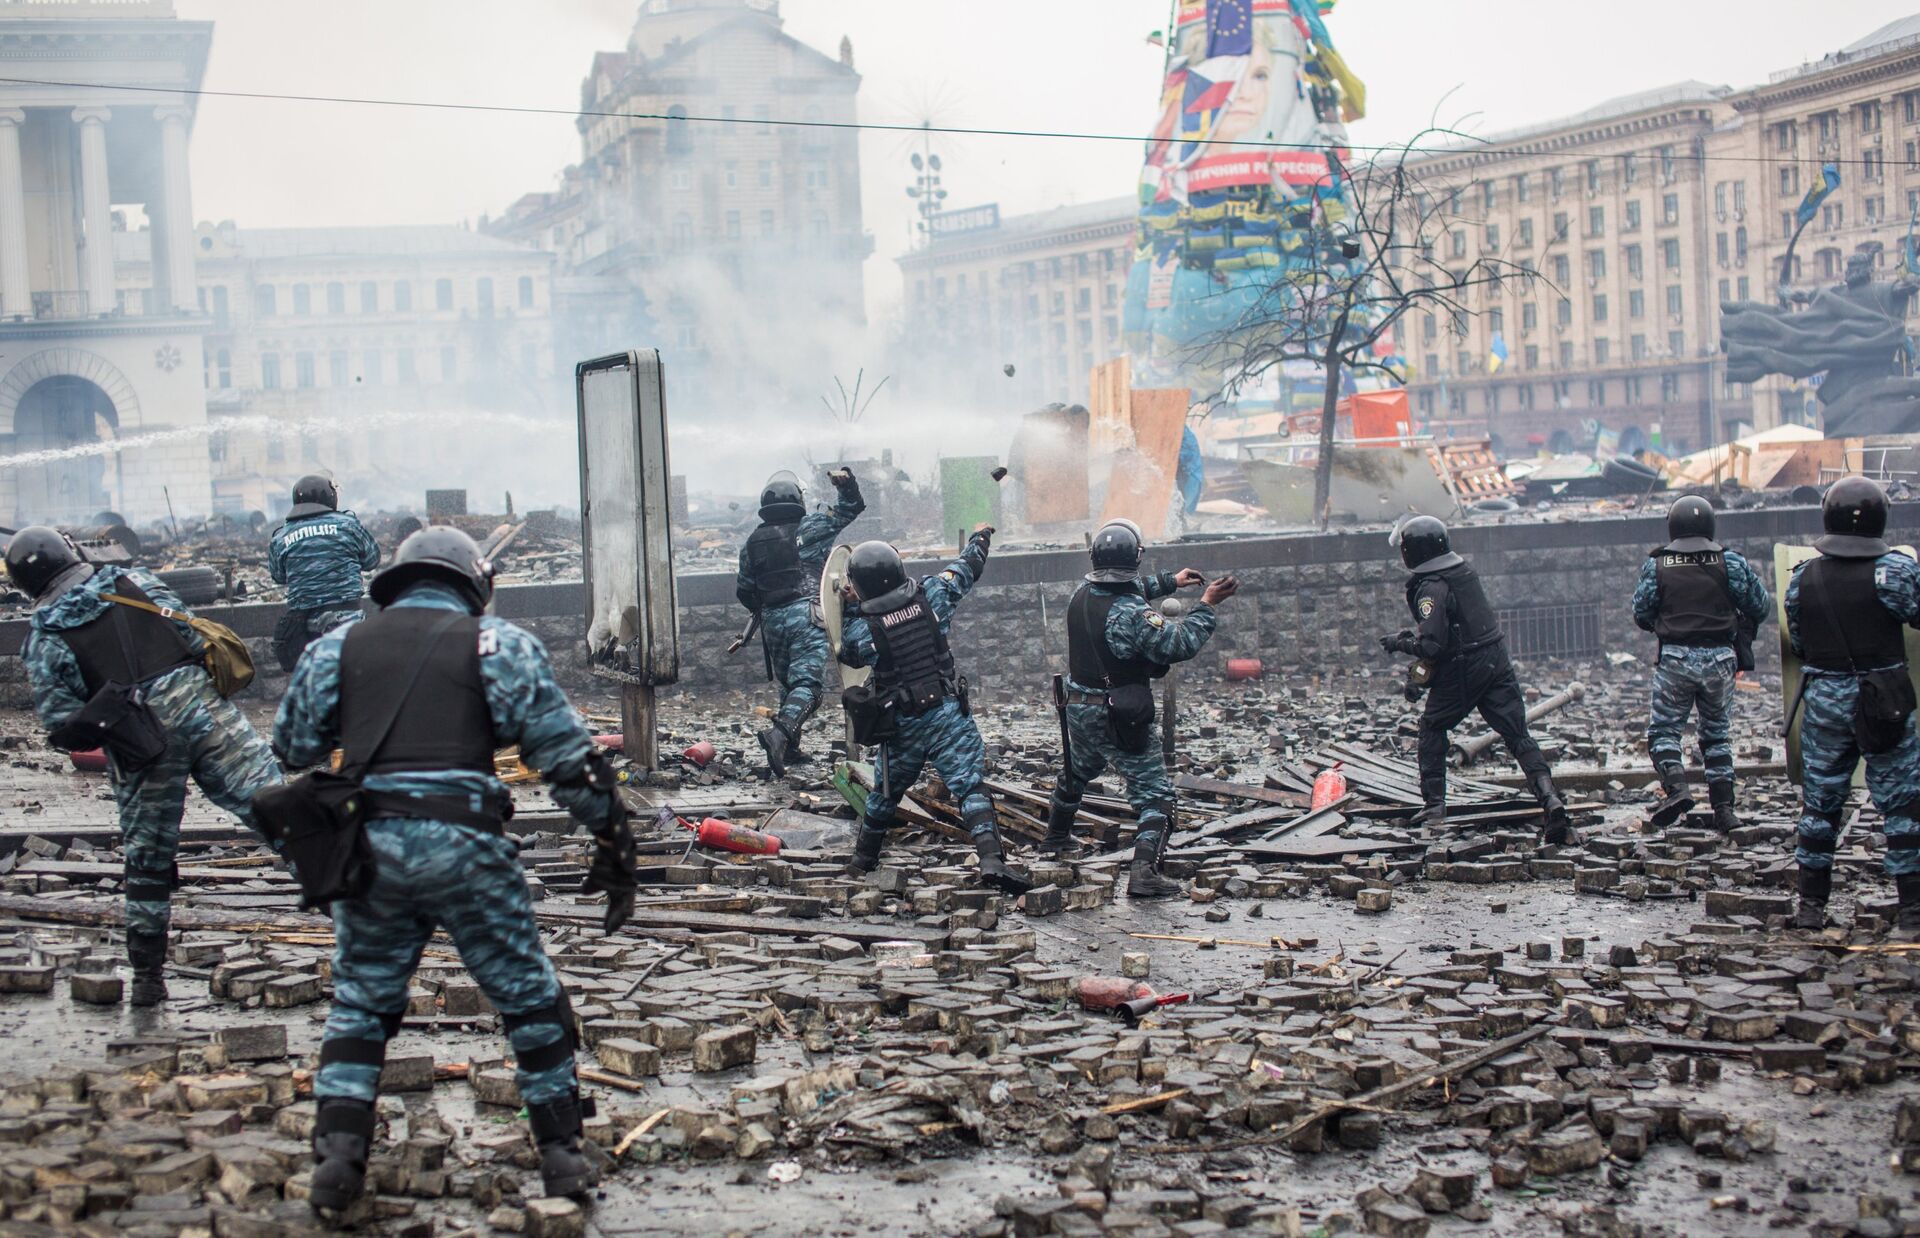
1465	751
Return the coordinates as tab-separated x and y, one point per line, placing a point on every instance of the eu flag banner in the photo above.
1230	28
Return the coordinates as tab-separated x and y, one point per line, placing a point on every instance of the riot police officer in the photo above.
1845	609
82	642
779	581
1458	639
419	696
917	708
318	554
1117	645
1695	595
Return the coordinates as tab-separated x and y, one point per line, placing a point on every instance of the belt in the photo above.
453	809
1086	698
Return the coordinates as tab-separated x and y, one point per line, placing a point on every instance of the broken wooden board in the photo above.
713	922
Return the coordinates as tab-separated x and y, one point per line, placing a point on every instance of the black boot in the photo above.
1720	795
1675	802
148	954
866	847
775	742
1906	922
1059	841
1144	879
1553	808
342	1137
564	1168
993	862
1434	814
1816	885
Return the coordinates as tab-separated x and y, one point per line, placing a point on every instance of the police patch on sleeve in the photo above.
1425	608
489	642
1156	619
950	577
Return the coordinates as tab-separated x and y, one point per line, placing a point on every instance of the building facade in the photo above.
353	351
1041	292
80	164
715	213
1637	219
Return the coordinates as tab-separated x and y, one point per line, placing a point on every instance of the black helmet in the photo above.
876	572
442	553
1116	552
1424	544
312	495
37	555
781	499
1690	519
1854	514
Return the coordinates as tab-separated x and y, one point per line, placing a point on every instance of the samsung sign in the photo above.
971	219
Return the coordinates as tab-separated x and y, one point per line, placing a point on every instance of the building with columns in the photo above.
79	163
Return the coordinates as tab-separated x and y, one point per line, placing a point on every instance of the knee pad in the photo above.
558	1013
151	885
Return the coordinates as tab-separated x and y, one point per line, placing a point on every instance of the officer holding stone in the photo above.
1845	610
917	709
419	696
318	554
1695	595
1117	646
779	581
84	644
1464	654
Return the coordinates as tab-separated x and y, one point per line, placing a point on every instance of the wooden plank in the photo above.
778	926
1140	487
1241	790
1049	461
1324	847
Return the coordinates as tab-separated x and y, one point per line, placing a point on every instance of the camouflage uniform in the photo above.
1829	754
438	874
319	559
208	739
945	735
1696	675
795	643
1134	631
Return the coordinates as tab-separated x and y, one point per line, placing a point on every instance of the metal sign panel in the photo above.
625	518
966	219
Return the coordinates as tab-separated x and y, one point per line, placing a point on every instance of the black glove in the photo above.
614	868
1399	642
984	537
1412	693
845	482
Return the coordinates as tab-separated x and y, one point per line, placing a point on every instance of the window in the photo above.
1526	233
1555	182
483	294
1873	165
682	231
1596	392
1676	302
1566	354
816	176
1632	223
1463	362
1457	243
403	297
1629	168
1786	135
1593	176
339	369
733	225
1876	209
1867	116
679	133
1496	321
369	297
1745	291
336	298
443	294
679	180
449	364
404	366
526	292
1533	363
1913	154
1636	304
1429	327
1669	387
766	174
1562	270
1493	400
1677	343
303	374
1559	226
1059	302
1670	208
767	227
1563	313
1632	385
1720	200
1786	223
819	226
1670	254
1666	164
1600	307
1083	300
1523	188
1596	221
1722	252
1740	198
1789	180
1833	215
1635	267
302	300
1597	263
1529	316
222	313
223	368
372	368
1637	347
731	175
1726	291
1433	363
1492	239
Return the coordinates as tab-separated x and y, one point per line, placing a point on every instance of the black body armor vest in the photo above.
1843	589
1470	616
155	642
443	723
774	560
1090	660
914	664
1696	607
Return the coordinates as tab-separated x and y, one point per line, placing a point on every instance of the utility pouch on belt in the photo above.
1130	713
290	638
1743	634
1881	713
870	713
229	661
318	823
116	717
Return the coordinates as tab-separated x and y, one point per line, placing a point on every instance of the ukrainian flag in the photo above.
1497	354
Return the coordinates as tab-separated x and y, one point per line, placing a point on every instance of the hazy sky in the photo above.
1072	65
